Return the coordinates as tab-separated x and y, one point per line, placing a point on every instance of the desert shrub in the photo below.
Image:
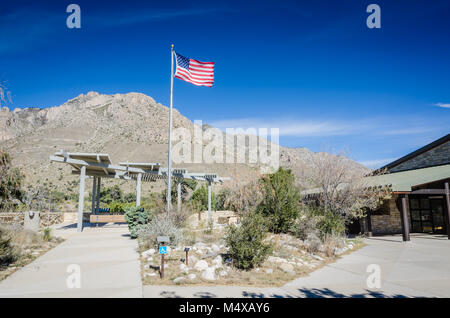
110	194
130	197
136	217
47	234
329	222
281	200
179	217
304	225
199	199
331	242
187	186
11	180
160	225
7	252
246	242
313	243
117	207
243	199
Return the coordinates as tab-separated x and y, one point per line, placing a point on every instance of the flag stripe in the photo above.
190	78
194	71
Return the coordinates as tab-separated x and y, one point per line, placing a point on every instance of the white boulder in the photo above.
184	268
178	280
209	273
201	265
192	276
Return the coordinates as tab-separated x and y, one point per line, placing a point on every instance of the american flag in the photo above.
193	71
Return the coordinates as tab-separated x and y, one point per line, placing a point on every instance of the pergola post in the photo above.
138	189
94	194
405	223
447	196
81	199
209	200
98	195
179	195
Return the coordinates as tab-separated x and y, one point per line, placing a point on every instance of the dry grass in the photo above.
27	246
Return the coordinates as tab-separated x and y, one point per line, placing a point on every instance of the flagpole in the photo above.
169	172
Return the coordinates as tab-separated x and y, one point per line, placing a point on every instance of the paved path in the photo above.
108	262
110	268
420	268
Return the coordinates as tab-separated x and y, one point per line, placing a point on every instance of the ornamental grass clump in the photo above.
160	225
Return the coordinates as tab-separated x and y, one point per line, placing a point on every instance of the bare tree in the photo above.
341	188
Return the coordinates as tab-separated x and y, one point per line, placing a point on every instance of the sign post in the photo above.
162	250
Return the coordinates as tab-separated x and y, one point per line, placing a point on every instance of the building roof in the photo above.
403	181
413	154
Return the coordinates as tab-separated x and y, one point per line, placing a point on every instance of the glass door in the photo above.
437	210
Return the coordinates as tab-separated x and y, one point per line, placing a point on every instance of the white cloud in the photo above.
374	164
442	105
289	127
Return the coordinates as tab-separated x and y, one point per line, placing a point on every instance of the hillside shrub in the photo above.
160	225
280	204
7	253
329	222
200	198
136	217
117	207
246	242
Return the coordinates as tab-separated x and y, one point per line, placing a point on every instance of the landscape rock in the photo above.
178	280
209	274
274	259
184	268
215	247
201	265
150	274
269	271
192	276
317	257
287	268
217	260
223	273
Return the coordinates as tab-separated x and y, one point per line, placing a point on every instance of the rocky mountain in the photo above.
129	127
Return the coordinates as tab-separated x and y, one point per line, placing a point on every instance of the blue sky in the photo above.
311	68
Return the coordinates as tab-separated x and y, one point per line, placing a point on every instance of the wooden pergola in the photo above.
99	166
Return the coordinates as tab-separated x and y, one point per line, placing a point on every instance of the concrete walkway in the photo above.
420	268
107	259
109	265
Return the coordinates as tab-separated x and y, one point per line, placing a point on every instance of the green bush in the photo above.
160	225
246	242
331	223
117	207
200	198
47	234
7	253
281	200
305	225
136	217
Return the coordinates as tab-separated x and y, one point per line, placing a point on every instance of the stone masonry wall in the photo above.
47	218
439	155
390	223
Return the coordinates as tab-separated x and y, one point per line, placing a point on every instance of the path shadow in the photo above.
328	293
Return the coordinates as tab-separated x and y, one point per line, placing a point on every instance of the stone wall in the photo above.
439	155
219	218
47	218
390	223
